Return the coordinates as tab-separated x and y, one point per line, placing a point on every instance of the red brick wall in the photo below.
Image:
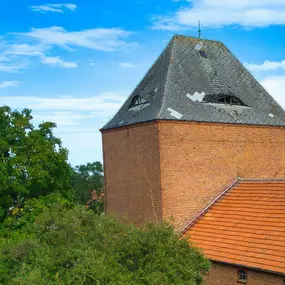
222	274
182	166
132	173
199	160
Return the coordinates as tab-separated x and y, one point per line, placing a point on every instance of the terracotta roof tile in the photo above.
246	226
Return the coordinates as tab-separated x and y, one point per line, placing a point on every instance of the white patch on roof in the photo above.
199	46
156	89
271	115
196	97
174	113
121	122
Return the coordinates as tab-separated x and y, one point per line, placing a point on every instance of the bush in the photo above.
76	246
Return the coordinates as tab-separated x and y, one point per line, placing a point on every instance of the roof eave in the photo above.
103	129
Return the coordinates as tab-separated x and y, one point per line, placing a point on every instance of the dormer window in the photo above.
229	100
223	99
242	276
138	101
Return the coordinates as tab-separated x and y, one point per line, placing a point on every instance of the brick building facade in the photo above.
183	166
225	274
196	123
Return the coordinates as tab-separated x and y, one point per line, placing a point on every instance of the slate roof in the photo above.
246	226
187	76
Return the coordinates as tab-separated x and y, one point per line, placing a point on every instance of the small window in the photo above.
242	276
137	101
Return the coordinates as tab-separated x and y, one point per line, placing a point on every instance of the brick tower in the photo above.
196	122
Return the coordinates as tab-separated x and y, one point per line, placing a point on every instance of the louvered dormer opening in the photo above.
224	99
138	101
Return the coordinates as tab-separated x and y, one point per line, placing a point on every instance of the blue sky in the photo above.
75	62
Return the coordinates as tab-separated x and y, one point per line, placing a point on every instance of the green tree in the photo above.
87	182
20	218
32	160
76	246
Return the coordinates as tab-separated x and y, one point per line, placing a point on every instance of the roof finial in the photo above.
199	30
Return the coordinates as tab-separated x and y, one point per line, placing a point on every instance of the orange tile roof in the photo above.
245	226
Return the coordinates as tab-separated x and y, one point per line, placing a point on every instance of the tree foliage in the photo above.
19	218
32	160
47	238
88	183
75	246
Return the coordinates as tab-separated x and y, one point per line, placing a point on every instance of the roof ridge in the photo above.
193	221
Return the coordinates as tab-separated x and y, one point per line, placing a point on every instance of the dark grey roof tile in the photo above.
182	70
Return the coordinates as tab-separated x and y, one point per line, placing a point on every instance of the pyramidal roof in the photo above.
202	81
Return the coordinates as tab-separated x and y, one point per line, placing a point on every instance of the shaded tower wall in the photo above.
175	169
132	173
200	160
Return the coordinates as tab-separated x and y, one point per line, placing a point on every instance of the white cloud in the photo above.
275	85
218	13
5	84
9	62
99	104
69	6
56	8
15	57
78	119
127	65
63	118
104	39
167	23
240	4
57	61
266	66
12	67
25	50
18	50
